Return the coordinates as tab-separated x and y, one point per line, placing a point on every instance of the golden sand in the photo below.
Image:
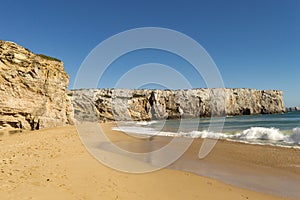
53	164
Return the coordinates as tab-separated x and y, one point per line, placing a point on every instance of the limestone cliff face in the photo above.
33	95
297	108
123	104
33	89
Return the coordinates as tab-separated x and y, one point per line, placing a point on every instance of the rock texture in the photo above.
33	89
34	95
124	104
293	108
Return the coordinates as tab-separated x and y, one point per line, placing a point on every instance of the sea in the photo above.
269	129
273	129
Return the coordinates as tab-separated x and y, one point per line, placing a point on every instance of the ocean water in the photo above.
276	129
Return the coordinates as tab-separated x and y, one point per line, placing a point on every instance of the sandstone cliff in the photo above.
33	89
124	104
33	95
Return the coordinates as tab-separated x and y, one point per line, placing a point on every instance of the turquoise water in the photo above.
278	129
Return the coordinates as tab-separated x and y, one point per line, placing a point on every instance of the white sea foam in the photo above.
204	134
145	123
295	136
143	131
269	134
135	129
261	133
153	132
251	135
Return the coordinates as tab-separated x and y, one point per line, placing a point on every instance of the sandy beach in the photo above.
150	100
53	164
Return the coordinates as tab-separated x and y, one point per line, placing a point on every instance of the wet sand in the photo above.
53	164
264	168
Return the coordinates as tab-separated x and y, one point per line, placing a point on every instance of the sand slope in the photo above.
53	164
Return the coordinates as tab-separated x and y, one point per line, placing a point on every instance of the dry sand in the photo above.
53	164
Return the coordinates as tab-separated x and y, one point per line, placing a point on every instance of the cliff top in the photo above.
13	45
152	89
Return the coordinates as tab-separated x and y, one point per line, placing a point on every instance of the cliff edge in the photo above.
33	89
34	94
136	105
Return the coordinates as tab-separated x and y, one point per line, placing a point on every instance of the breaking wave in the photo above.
251	135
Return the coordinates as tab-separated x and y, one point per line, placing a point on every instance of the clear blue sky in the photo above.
255	44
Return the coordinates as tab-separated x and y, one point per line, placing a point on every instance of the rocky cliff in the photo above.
297	108
33	95
33	89
124	104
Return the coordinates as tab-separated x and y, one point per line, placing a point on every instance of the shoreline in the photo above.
53	163
230	160
285	142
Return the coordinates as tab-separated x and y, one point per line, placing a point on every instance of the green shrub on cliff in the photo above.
49	57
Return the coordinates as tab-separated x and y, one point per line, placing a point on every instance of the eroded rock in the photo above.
33	89
137	105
